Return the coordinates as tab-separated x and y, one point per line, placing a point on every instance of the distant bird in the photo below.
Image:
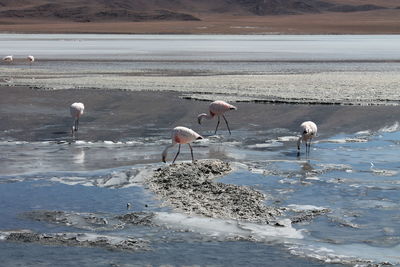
76	110
217	108
8	59
30	59
181	135
308	131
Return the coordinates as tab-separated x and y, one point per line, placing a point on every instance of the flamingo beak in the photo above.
199	120
199	138
163	159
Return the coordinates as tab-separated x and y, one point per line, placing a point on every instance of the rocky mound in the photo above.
189	187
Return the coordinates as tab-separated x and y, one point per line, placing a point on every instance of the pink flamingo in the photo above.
308	131
217	108
181	135
8	59
30	59
76	110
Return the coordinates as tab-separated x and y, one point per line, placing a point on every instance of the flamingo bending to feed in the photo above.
217	108
308	131
8	59
76	110
181	135
30	59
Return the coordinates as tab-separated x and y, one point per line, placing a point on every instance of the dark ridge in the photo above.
166	10
349	8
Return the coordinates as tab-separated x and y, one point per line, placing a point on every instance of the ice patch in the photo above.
314	178
391	128
348	254
346	140
382	172
298	208
121	177
363	133
288	138
115	179
266	145
227	229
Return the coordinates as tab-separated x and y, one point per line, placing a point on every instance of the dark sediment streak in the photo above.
77	239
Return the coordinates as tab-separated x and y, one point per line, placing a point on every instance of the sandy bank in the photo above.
341	88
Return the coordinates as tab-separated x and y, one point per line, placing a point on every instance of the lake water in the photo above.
354	175
203	47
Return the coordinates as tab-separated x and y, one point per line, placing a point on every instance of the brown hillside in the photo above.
205	16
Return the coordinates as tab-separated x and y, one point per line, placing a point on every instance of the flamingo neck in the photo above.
164	153
204	115
299	141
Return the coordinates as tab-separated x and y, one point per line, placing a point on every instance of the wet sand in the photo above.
34	114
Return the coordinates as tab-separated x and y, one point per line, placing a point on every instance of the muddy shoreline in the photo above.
28	114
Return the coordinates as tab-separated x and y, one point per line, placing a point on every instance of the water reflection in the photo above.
79	155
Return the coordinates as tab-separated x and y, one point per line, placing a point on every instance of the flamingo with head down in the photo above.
8	59
308	131
30	59
217	108
76	110
181	135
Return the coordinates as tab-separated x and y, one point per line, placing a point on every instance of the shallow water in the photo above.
354	176
349	183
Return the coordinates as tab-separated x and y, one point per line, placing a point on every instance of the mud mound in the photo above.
77	239
189	187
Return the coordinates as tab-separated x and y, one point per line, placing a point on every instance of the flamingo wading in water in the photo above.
217	108
181	135
8	59
30	59
76	110
308	131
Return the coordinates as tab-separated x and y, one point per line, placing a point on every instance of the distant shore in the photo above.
371	22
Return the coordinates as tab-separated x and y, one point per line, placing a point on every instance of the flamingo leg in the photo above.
308	144
217	125
179	150
191	151
77	124
227	124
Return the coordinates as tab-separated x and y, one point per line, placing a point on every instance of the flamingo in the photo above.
308	131
217	108
8	59
30	59
76	110
181	135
